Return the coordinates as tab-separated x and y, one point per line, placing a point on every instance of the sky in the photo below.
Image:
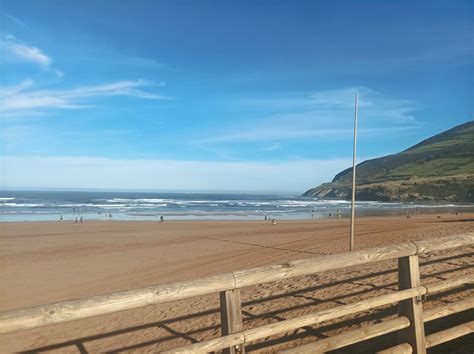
223	95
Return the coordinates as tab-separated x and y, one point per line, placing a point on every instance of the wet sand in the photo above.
43	262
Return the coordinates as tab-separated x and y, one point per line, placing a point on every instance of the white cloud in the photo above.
92	172
23	52
324	114
274	132
19	99
12	90
118	88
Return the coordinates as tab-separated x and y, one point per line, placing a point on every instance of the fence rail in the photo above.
409	324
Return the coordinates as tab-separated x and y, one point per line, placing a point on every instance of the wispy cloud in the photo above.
20	99
324	114
12	90
13	50
124	61
6	17
285	133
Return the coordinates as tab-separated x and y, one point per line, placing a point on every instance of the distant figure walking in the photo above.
330	215
162	219
266	218
61	218
110	216
81	220
75	220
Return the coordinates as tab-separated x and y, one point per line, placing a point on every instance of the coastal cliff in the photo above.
440	168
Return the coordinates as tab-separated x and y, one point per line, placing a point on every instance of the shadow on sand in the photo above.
366	282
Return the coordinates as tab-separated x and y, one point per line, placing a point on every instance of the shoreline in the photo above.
258	221
246	216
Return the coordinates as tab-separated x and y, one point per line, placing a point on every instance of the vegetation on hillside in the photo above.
438	168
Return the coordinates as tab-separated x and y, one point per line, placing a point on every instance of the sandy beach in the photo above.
44	262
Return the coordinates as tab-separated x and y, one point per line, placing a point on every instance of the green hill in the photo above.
440	168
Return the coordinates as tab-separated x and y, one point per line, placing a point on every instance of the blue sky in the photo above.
221	95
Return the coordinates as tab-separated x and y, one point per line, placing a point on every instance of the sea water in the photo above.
50	205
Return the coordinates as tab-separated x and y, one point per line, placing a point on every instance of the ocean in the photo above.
50	205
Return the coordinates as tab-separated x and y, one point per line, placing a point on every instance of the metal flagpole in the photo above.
354	172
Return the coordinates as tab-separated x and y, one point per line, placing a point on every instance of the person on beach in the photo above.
61	218
75	220
162	219
266	218
274	221
110	216
81	220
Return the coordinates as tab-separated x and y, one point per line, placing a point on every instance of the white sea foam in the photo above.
31	205
110	206
193	206
205	201
139	200
148	205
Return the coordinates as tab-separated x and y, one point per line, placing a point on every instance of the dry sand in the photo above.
43	262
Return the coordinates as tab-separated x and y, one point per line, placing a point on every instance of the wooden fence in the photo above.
409	324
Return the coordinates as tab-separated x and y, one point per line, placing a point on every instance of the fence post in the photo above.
409	277
231	317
